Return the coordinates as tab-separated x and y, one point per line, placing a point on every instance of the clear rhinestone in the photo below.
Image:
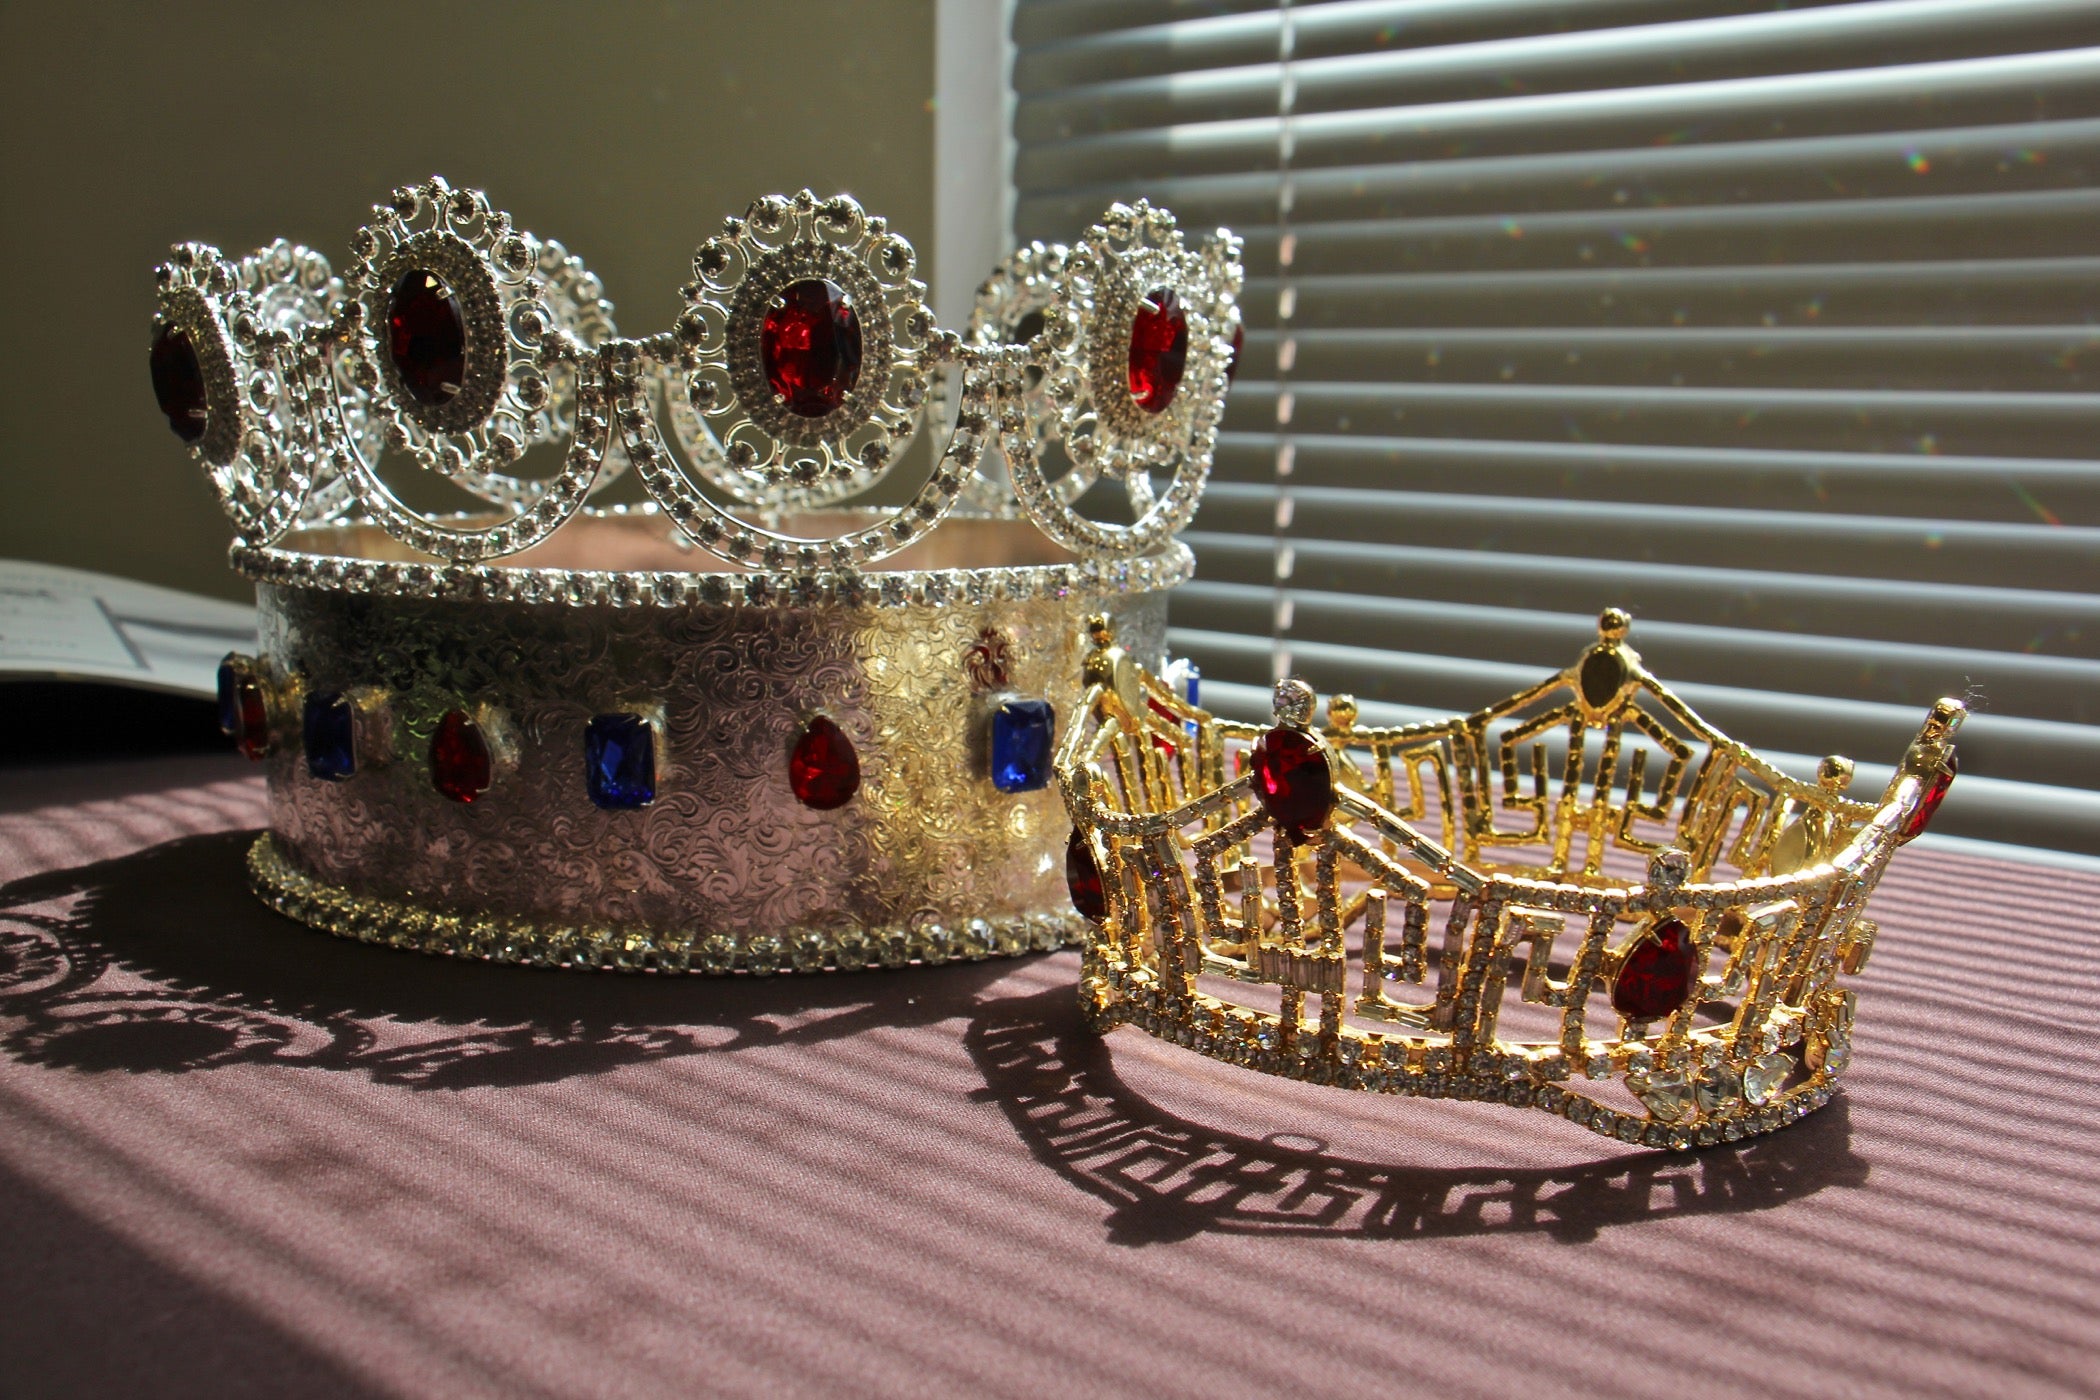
1667	1096
1717	1089
1831	1055
893	947
1764	1075
934	943
762	954
809	951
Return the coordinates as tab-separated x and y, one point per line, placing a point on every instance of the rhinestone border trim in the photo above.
404	924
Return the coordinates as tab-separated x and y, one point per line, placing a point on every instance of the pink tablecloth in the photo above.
240	1158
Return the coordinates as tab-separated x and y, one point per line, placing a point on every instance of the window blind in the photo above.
1776	326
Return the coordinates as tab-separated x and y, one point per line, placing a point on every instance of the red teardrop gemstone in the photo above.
427	337
1083	878
809	347
1239	343
460	764
1292	778
252	738
1657	974
1159	349
824	770
1935	793
1602	676
178	383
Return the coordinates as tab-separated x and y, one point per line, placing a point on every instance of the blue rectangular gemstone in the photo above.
619	761
329	727
1023	735
229	699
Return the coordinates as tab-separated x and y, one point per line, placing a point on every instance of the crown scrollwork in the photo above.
800	366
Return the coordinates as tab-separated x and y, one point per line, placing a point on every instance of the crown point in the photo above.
1947	716
1292	702
1613	624
1341	713
1834	773
1100	629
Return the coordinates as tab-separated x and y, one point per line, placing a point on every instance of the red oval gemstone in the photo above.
252	738
427	337
824	770
1159	349
1083	878
460	764
1929	801
178	383
1657	974
1292	778
1239	343
809	347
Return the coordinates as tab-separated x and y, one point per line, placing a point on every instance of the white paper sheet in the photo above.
69	624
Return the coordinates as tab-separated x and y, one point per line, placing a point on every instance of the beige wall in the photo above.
627	130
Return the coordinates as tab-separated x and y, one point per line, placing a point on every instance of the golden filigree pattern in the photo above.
1586	881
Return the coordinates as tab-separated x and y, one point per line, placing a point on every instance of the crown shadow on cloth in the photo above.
161	962
1167	1178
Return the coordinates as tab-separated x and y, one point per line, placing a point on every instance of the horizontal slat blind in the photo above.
1778	326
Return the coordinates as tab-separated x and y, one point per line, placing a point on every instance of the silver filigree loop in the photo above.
295	295
306	395
744	438
1134	259
529	311
1010	309
722	534
526	306
258	449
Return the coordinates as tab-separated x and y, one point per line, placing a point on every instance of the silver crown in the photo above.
460	342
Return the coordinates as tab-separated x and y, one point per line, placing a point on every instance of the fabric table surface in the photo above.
241	1158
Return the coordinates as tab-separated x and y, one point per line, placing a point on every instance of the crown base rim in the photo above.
415	926
1782	1110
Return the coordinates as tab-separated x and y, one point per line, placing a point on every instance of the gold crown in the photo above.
1614	912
